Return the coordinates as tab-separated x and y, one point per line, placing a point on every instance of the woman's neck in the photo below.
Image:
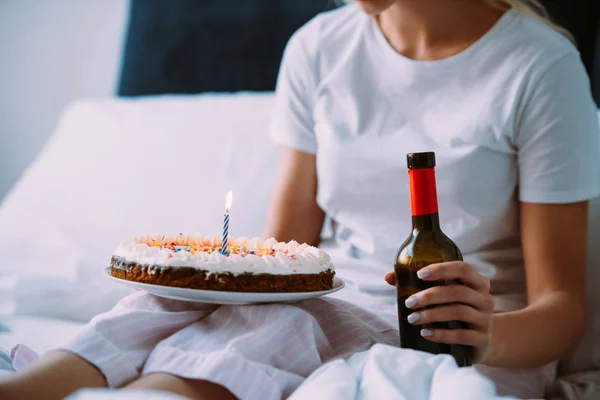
436	29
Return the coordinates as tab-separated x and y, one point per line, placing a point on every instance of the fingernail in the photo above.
426	333
424	273
414	317
411	302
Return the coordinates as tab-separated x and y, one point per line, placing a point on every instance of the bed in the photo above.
194	103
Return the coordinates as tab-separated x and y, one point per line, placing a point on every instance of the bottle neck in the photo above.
423	199
427	222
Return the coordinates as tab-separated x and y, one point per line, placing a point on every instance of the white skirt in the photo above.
256	352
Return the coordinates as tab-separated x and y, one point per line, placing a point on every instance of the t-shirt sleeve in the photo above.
292	119
558	138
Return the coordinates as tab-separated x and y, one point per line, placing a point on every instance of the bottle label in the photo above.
423	193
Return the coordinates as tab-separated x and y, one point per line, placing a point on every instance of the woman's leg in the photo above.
116	343
54	376
266	351
191	388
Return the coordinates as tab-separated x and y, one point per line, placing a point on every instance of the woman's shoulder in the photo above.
538	44
329	32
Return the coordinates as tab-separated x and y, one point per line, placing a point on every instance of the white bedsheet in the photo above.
39	334
102	394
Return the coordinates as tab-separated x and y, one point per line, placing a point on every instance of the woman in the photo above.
502	98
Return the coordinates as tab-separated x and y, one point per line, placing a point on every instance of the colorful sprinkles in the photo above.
243	251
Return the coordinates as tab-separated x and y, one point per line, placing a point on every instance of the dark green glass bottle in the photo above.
426	245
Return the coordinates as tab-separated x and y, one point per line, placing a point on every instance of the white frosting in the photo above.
288	258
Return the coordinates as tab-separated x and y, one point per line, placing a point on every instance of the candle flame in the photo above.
228	201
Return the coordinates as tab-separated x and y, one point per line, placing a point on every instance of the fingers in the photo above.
454	312
445	294
457	270
469	301
391	278
467	337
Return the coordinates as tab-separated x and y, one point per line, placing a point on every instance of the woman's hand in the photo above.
470	303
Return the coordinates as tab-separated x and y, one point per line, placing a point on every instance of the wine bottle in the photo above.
425	245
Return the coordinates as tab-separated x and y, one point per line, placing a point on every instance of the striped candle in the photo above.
228	201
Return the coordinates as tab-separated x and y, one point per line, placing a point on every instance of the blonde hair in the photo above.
533	9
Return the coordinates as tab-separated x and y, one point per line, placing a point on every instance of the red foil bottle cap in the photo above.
423	191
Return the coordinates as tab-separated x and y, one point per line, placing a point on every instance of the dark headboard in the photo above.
195	46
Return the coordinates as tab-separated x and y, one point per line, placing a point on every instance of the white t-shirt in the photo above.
511	118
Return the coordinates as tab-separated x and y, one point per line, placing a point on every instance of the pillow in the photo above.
118	167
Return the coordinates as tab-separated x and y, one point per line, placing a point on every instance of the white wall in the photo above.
51	52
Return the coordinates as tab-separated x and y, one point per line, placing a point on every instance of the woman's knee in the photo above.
191	388
56	375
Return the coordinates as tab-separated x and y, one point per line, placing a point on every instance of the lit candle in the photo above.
226	222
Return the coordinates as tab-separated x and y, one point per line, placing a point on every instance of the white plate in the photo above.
218	297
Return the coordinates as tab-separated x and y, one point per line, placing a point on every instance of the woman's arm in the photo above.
294	213
554	248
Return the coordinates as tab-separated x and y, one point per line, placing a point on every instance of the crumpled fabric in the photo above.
388	372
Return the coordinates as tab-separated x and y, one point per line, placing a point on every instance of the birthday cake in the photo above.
246	265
